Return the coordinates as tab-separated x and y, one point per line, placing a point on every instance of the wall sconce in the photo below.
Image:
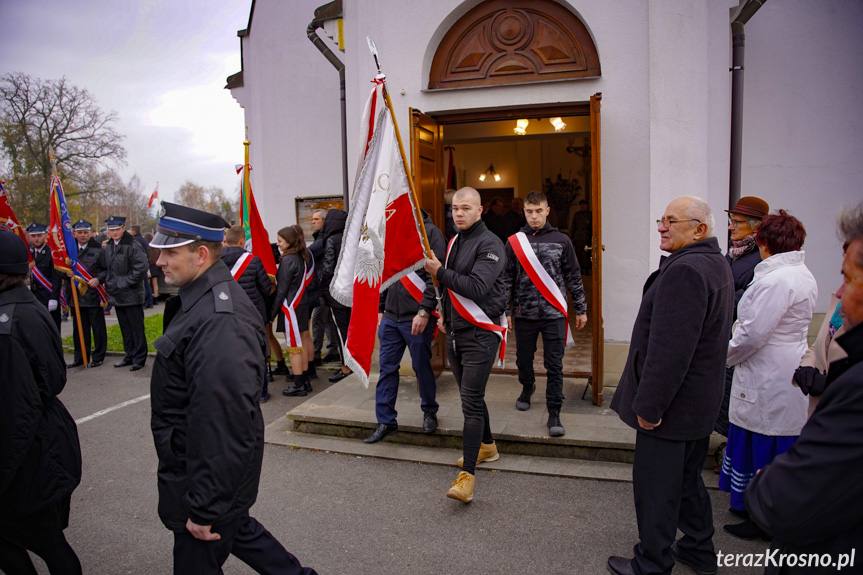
558	123
490	171
521	127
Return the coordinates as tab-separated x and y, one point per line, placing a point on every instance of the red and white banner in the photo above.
540	278
153	197
469	310
382	241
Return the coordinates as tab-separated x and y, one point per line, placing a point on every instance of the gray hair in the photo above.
323	213
851	225
751	220
700	210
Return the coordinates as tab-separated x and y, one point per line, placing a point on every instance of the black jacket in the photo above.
254	281
127	271
334	228
556	255
289	280
676	365
743	270
317	247
810	498
93	258
474	269
396	302
40	458
42	260
206	422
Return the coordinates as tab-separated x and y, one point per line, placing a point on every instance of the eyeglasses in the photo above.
667	223
734	223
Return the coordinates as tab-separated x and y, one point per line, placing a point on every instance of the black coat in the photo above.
810	498
474	269
93	258
289	280
396	302
127	271
206	422
254	281
40	457
334	228
743	270
42	260
676	365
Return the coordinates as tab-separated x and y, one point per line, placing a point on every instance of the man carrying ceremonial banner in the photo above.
383	239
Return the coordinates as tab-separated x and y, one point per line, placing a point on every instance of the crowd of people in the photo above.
719	343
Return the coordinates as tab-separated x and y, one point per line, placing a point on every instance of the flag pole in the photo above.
74	289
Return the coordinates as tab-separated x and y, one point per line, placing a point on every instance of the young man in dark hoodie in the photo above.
249	272
540	266
334	228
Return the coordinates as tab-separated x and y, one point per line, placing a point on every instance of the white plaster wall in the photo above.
803	126
291	103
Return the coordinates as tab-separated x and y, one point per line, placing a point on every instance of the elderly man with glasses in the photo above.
671	389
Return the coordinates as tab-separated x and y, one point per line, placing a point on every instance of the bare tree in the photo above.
192	195
39	115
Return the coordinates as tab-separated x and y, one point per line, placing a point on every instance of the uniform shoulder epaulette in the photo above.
6	313
222	297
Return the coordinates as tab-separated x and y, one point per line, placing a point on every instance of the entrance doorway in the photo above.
558	153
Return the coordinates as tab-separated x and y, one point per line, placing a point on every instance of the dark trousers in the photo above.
553	343
41	533
92	319
394	337
342	318
243	537
131	319
471	354
722	420
669	494
322	323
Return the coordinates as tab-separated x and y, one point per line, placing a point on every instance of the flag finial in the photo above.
374	50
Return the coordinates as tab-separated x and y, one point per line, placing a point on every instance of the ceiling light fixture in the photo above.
521	127
490	172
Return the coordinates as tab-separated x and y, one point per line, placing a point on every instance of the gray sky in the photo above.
160	64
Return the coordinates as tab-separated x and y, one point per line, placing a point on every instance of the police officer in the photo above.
127	272
39	450
474	300
207	426
91	258
406	321
539	247
45	281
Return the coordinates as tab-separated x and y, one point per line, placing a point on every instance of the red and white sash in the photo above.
469	310
416	286
309	274
40	277
100	289
292	326
540	278
240	265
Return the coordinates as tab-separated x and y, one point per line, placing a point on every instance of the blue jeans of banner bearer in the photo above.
394	337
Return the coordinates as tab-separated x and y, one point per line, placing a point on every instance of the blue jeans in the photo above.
394	337
471	354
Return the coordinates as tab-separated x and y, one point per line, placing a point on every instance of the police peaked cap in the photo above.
82	225
114	222
37	229
179	225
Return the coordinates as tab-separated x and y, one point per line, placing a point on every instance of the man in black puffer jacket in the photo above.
127	271
250	272
533	312
474	300
40	458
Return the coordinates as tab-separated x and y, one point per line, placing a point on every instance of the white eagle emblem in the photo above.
223	296
4	318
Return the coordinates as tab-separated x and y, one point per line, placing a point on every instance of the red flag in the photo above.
8	219
254	226
154	196
382	241
451	181
64	248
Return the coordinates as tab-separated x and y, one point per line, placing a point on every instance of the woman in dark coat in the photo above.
40	457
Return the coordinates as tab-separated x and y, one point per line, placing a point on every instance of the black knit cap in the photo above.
14	255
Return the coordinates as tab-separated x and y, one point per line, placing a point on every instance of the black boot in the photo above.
306	382
281	368
297	389
555	428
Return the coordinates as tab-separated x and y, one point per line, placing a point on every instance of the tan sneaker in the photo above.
487	452
462	487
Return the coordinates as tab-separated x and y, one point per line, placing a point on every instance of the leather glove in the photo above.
52	304
810	380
